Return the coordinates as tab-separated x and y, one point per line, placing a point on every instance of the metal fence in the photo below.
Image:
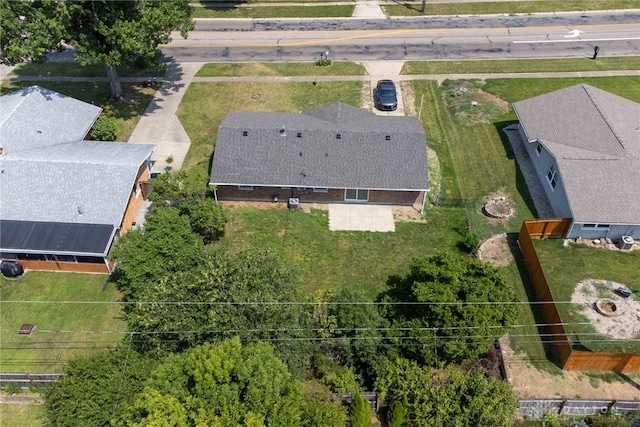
536	408
27	380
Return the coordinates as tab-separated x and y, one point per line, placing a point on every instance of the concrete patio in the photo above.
356	217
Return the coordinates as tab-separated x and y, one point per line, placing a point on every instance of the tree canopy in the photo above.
447	397
222	384
466	307
102	31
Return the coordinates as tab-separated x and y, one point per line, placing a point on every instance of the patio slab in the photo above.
356	217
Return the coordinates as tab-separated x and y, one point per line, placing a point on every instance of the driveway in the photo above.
356	217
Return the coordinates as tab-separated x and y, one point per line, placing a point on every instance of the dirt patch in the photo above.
471	104
407	214
603	244
527	381
622	315
496	251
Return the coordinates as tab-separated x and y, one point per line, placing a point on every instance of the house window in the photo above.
551	176
245	187
538	149
356	194
320	190
596	226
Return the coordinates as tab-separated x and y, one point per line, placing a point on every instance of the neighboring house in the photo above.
63	200
584	143
335	153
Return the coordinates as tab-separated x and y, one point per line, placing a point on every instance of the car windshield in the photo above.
387	91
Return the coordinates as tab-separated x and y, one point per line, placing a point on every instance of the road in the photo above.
408	44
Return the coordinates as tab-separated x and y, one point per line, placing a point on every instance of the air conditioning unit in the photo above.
293	203
626	243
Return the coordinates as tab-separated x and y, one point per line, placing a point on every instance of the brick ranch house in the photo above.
584	143
64	200
332	154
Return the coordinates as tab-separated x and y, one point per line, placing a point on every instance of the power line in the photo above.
231	303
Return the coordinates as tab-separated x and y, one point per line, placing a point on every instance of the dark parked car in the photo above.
623	292
11	269
385	97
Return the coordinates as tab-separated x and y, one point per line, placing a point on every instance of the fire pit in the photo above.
607	308
498	208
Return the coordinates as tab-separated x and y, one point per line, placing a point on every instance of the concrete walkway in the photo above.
366	9
159	124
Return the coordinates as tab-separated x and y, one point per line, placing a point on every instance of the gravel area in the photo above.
538	195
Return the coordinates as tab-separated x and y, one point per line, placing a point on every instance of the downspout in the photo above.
215	193
424	202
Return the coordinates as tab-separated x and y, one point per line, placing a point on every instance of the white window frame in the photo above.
357	198
245	187
596	226
320	190
539	149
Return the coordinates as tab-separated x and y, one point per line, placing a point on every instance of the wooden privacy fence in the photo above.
568	358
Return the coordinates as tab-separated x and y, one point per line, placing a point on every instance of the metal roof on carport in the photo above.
56	238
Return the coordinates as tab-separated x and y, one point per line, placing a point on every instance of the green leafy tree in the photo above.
29	29
113	33
320	409
360	412
466	307
448	397
185	192
96	388
166	245
230	293
397	413
219	385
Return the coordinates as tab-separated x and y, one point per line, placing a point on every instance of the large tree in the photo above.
115	32
223	384
447	397
96	389
105	32
29	29
448	308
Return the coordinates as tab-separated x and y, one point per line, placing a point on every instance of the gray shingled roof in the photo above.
361	158
81	182
594	136
35	117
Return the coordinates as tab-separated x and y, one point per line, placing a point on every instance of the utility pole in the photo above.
424	2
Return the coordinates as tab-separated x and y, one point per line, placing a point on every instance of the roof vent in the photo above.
387	137
299	135
1	150
245	133
283	131
338	136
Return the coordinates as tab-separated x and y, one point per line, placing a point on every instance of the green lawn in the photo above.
332	260
280	69
511	7
205	105
73	69
305	11
22	415
566	267
126	114
62	330
522	65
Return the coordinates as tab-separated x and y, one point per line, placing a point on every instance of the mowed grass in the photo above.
126	114
63	330
522	65
21	415
205	105
509	7
331	260
73	69
280	69
304	11
565	267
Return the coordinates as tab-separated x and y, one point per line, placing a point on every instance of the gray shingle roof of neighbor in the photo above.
35	117
594	136
334	146
83	182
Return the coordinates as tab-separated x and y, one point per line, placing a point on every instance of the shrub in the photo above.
323	62
360	415
104	129
397	414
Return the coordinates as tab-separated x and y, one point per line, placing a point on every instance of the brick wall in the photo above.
135	199
228	192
